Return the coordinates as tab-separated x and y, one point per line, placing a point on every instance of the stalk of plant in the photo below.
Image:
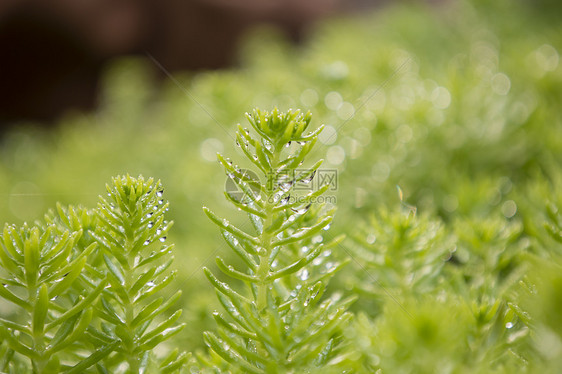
132	234
279	323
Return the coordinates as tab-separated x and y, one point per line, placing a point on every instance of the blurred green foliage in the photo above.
458	104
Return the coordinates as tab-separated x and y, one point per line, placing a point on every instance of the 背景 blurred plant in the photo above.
83	286
280	322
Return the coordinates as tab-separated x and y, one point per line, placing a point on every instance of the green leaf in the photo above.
223	350
114	269
225	225
230	271
8	295
40	310
224	288
69	278
93	358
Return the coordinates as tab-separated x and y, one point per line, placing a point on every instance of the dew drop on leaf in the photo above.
147	242
160	193
304	274
301	210
163	239
317	239
150	224
308	179
285	200
286	186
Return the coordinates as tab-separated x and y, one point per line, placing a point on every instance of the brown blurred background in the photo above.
52	52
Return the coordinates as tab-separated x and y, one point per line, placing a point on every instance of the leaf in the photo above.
159	338
6	294
305	232
40	310
93	358
174	362
69	278
228	227
114	269
230	271
77	332
81	305
224	288
223	350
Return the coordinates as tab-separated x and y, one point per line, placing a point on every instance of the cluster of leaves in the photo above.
280	321
80	288
449	102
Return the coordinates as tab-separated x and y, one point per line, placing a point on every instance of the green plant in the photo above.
279	323
86	284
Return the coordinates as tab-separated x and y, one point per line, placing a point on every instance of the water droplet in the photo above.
163	239
237	143
317	239
230	175
150	224
305	249
292	218
301	210
286	186
229	161
317	261
309	179
148	215
326	253
151	284
160	193
327	227
288	144
161	201
158	232
274	264
301	143
285	200
371	238
304	274
508	325
147	242
329	266
225	222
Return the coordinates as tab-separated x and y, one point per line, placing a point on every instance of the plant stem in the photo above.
265	237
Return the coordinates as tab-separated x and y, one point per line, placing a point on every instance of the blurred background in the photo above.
457	102
53	53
